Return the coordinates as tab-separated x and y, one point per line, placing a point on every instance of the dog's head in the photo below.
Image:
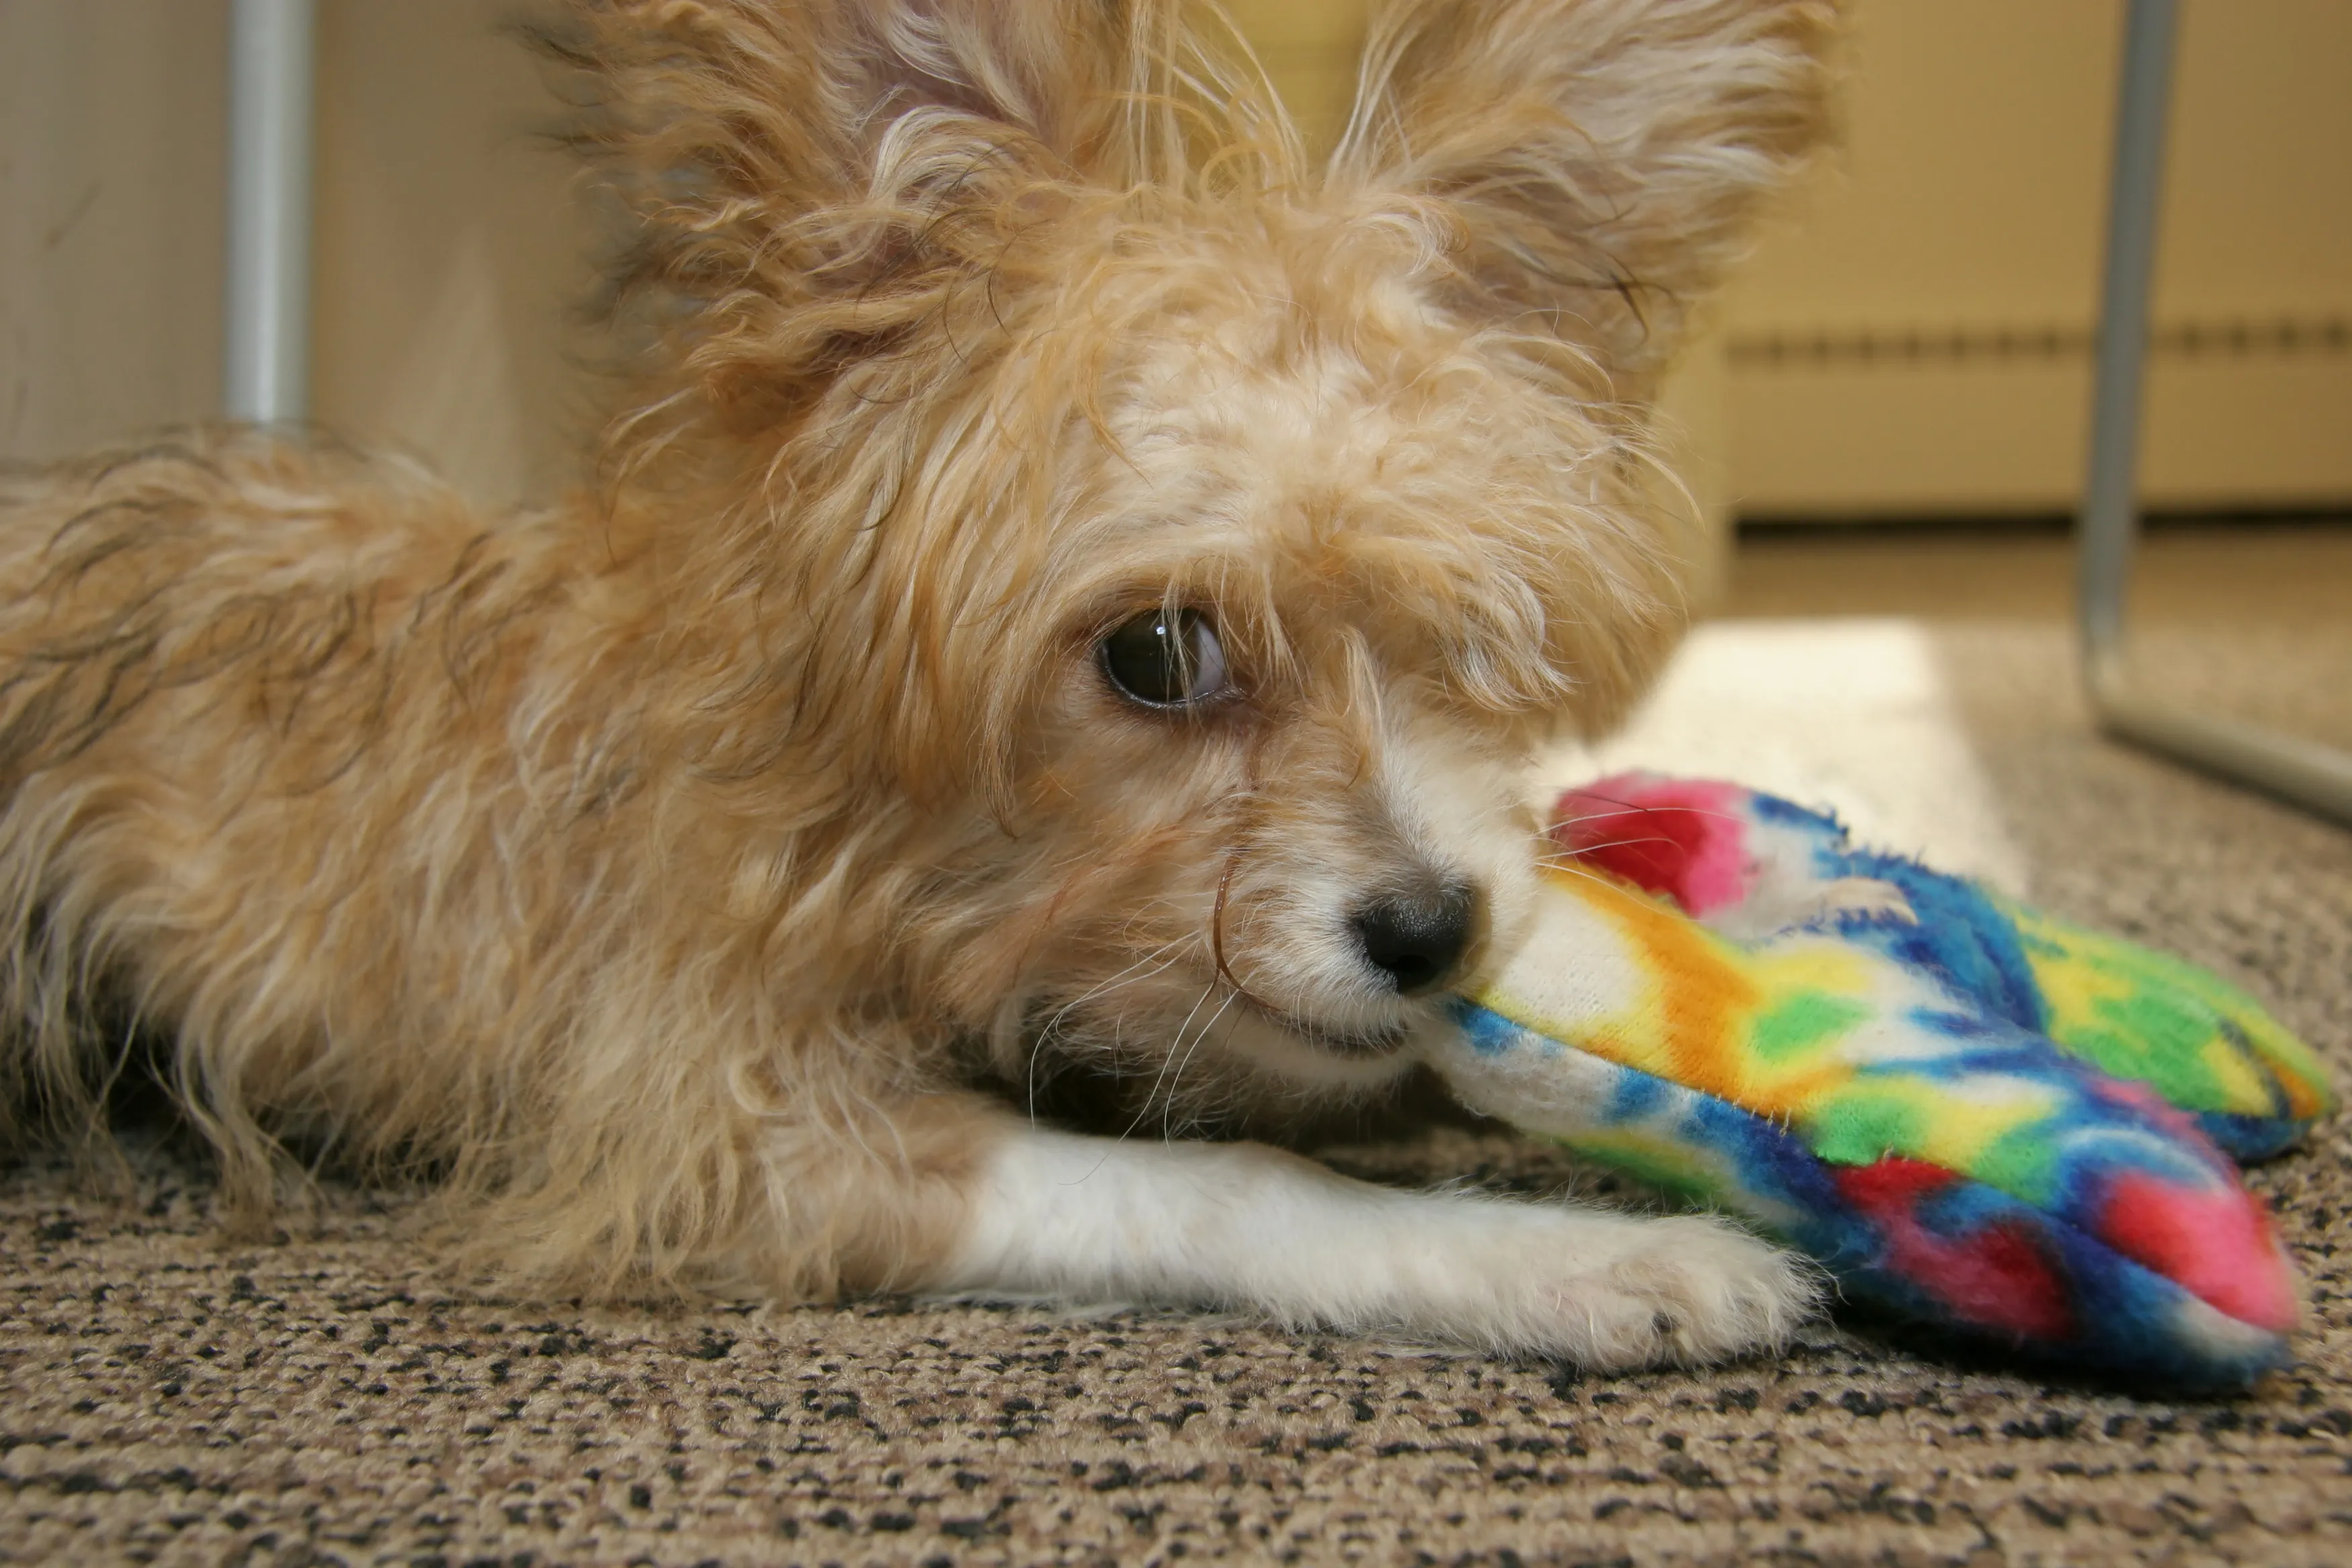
1150	558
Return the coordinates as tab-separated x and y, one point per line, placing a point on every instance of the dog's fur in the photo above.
697	877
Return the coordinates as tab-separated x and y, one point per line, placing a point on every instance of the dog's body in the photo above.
1073	589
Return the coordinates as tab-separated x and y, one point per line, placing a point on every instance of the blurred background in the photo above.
1911	340
1885	416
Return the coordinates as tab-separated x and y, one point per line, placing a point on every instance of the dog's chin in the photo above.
1358	1041
1326	1053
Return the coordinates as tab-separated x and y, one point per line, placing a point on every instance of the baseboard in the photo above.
2240	413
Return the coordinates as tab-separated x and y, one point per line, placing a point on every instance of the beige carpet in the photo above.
329	1400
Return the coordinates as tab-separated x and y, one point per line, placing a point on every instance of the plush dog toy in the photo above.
1967	1111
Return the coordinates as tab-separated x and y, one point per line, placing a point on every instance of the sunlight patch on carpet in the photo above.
1852	714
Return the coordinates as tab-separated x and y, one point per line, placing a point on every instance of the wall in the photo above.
1309	48
448	251
110	149
451	249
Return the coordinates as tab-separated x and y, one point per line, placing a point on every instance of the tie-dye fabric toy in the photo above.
1969	1112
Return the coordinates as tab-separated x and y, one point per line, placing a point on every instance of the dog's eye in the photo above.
1167	660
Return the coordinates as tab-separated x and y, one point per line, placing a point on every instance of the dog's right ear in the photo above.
809	179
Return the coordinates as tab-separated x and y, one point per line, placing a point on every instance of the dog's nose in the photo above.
1417	940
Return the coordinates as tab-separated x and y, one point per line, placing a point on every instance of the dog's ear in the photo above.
1599	159
808	178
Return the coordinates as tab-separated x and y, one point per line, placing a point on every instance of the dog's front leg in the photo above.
1053	1215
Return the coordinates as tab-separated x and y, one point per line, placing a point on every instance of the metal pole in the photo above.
2110	504
266	358
2317	777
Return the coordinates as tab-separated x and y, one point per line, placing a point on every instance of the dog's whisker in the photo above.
1588	850
1156	961
1581	849
1125	976
1176	1077
1570	866
1640	809
1160	1077
1144	1108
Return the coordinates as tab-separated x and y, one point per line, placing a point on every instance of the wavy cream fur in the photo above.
696	877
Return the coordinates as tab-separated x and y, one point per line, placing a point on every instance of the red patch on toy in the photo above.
1681	837
1994	1276
2219	1245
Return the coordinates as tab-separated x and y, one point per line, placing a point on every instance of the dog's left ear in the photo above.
1599	159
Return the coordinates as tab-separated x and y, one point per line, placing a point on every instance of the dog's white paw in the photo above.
1689	1289
1609	1292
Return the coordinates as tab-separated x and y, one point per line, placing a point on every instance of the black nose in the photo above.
1417	940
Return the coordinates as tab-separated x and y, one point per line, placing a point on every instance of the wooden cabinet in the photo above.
1915	337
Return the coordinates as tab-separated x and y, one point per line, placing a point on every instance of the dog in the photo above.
1071	596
